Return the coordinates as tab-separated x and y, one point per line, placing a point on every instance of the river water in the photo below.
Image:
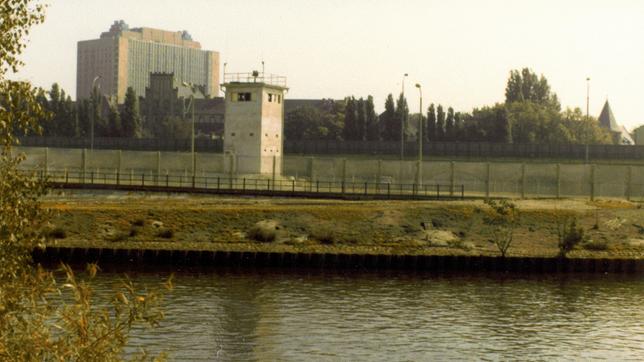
269	315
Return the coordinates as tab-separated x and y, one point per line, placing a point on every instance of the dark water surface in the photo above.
269	315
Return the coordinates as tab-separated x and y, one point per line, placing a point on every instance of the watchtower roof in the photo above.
255	78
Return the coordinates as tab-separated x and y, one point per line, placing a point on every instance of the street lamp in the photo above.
93	111
587	113
192	142
419	178
402	120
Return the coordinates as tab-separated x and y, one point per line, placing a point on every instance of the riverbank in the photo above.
613	229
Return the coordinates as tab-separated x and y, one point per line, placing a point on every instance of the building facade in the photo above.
124	57
167	97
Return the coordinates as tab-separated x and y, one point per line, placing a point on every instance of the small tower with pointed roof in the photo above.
619	133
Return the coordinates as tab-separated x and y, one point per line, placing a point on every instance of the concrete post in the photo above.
158	167
451	178
274	170
46	166
312	175
378	176
592	182
344	173
558	181
118	165
629	177
487	180
83	164
523	180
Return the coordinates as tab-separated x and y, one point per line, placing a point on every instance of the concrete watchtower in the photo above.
254	122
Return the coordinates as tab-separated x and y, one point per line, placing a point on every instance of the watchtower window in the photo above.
241	97
270	97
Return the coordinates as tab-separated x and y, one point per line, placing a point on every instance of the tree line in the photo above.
531	113
74	119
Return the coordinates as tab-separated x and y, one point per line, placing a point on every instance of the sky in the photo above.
459	51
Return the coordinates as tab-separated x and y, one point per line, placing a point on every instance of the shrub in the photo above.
57	233
134	232
118	236
569	235
166	233
325	236
596	245
503	220
265	231
138	222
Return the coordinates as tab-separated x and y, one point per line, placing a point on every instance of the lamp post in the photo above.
93	112
587	113
419	177
192	138
402	121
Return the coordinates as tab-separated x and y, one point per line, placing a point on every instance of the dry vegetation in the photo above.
611	228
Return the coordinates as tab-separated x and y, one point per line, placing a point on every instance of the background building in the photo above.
125	57
619	133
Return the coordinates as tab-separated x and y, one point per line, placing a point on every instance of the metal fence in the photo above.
249	186
467	150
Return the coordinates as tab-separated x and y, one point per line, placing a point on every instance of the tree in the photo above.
391	125
402	115
39	318
173	127
131	116
115	128
431	123
458	127
361	120
440	124
373	130
350	132
525	85
450	128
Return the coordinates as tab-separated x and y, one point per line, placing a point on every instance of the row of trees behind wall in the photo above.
531	114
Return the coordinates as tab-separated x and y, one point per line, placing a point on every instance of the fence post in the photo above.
158	166
629	175
365	188
66	176
167	181
143	179
592	182
193	180
274	169
388	190
378	176
344	172
218	183
244	184
523	180
558	180
293	185
83	164
487	180
312	175
119	160
462	192
451	178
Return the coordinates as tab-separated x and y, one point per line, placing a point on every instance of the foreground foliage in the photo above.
47	315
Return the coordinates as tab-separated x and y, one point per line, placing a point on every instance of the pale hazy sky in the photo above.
461	51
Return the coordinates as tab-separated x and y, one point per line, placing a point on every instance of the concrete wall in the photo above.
509	179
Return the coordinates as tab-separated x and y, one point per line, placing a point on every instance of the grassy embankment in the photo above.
314	226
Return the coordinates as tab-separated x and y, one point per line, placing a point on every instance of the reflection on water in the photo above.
271	315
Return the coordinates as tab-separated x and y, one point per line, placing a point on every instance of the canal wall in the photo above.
137	258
